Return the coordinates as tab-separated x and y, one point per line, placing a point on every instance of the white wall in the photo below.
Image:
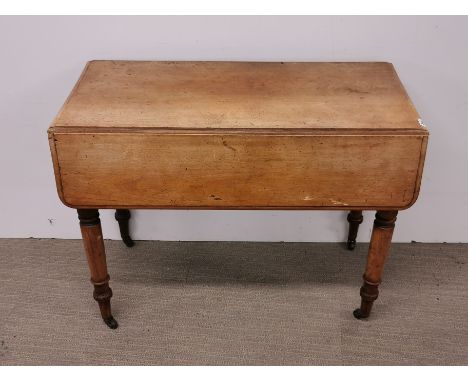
42	57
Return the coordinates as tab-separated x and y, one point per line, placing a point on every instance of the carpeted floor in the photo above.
232	303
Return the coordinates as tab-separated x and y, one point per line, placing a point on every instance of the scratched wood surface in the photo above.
224	135
238	171
245	95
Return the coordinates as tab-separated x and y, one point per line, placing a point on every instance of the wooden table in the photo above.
238	135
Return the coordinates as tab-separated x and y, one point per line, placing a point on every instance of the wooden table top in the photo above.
240	95
246	135
238	135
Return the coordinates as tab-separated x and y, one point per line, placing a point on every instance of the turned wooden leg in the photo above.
384	224
123	216
94	246
354	219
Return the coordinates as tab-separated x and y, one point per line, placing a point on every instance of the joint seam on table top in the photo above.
238	131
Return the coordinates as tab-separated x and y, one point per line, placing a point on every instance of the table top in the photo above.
230	135
240	95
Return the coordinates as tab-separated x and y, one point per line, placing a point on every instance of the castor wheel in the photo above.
351	245
111	322
359	314
128	241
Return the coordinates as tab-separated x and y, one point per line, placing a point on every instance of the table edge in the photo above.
56	165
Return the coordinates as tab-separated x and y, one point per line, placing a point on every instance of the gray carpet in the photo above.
220	303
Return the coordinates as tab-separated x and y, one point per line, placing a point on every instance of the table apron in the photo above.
229	171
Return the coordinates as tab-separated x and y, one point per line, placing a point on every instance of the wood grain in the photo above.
226	95
379	247
91	232
122	170
238	135
221	135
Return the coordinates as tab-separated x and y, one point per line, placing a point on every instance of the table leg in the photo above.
94	246
354	218
384	224
123	216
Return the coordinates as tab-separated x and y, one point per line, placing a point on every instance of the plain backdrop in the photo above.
42	57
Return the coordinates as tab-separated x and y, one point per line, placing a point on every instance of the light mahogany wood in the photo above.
226	95
379	247
153	170
91	232
238	135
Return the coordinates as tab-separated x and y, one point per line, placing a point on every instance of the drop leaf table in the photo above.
238	135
